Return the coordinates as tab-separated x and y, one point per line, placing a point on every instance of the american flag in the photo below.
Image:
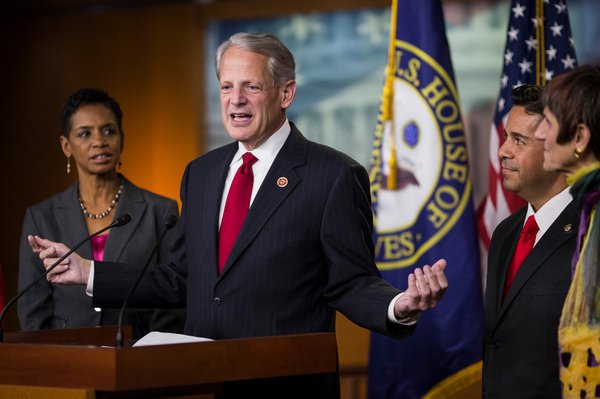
538	47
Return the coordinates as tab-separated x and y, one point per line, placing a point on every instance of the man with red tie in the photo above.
276	232
529	265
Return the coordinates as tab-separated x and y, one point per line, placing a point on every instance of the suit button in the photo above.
217	300
496	345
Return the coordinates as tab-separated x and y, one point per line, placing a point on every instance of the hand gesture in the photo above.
72	270
426	288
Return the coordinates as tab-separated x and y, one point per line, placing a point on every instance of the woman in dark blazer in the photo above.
92	137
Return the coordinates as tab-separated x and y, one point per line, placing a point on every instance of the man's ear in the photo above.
288	92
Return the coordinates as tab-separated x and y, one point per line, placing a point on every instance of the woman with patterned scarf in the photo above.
571	134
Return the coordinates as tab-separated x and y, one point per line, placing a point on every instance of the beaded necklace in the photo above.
105	213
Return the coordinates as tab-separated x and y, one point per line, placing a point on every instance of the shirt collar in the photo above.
548	213
267	151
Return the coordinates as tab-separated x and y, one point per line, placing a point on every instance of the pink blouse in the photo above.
98	245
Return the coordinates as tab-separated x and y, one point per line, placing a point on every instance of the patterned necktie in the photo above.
524	247
236	207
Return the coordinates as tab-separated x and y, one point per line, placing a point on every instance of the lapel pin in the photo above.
568	228
282	182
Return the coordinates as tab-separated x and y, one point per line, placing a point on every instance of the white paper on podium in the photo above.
163	338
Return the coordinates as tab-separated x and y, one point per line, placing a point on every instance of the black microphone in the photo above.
169	224
118	222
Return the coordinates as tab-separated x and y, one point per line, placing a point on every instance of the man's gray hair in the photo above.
280	60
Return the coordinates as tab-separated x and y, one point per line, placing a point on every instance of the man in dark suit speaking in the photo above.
276	230
524	297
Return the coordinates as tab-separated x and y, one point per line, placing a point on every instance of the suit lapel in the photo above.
270	194
212	203
73	226
559	232
131	202
506	253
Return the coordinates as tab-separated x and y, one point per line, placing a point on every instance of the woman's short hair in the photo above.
87	96
574	97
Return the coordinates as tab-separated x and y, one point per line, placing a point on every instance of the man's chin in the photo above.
238	133
509	184
506	177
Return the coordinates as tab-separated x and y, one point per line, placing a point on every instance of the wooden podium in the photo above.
76	364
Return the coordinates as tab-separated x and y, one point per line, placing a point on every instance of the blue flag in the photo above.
538	48
422	201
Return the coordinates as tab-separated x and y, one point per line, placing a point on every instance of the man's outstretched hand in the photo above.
426	287
72	270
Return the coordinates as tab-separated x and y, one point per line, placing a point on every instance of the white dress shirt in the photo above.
549	212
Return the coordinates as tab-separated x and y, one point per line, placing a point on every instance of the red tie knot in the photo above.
531	228
248	160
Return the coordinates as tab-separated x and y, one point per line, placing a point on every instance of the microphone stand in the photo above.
171	221
118	222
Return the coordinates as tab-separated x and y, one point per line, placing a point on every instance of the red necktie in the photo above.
236	207
524	247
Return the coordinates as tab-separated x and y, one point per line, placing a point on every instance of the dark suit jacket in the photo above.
521	345
304	250
59	218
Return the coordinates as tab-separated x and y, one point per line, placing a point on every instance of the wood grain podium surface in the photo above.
156	371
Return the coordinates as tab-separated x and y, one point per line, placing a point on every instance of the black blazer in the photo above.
59	218
521	345
304	251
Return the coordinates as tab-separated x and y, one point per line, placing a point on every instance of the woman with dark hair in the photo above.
92	141
571	134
